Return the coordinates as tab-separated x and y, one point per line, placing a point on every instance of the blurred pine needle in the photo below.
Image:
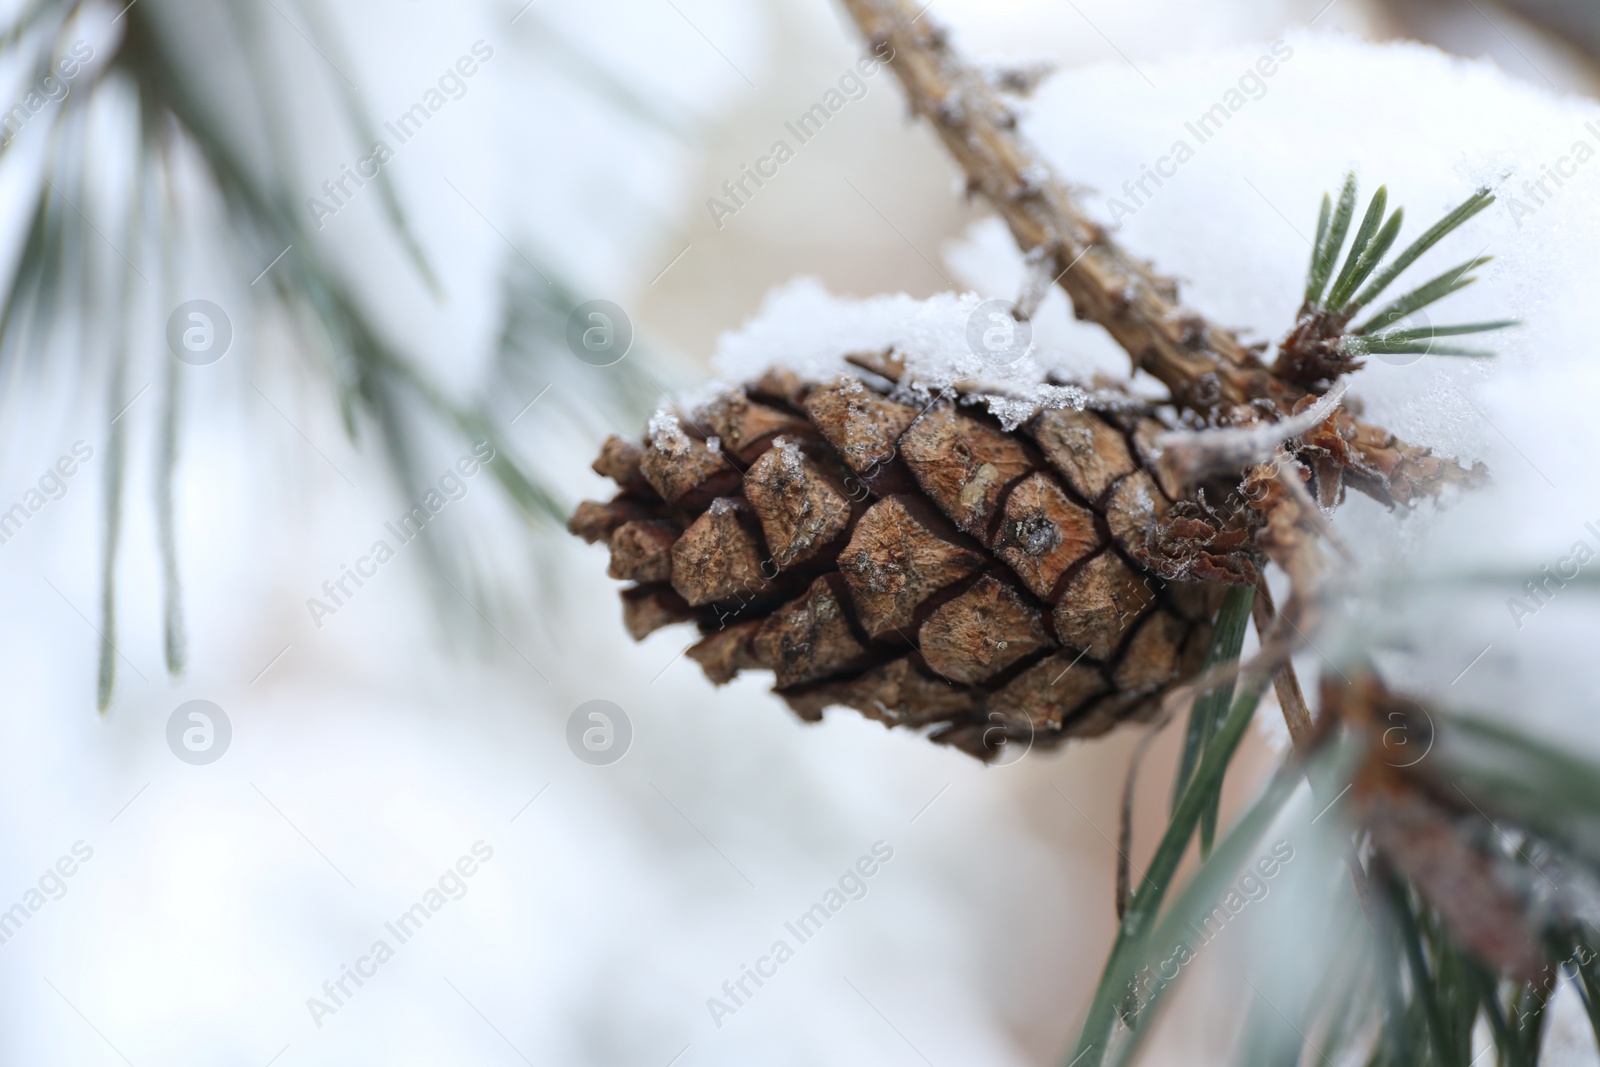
88	280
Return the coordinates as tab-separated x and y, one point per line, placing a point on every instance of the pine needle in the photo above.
1322	346
1429	292
1327	253
1128	951
1436	233
1419	340
1543	789
1361	257
1416	333
111	536
1584	962
1313	285
1422	982
1212	706
374	384
1140	932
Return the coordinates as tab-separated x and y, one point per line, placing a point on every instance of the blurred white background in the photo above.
371	752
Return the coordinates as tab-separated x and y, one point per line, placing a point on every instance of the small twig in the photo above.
1288	536
1036	283
1285	683
1310	511
1021	79
1201	365
1195	454
1275	650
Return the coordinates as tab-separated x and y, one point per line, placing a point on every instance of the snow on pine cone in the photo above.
915	562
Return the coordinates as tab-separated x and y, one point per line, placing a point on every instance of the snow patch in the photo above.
805	329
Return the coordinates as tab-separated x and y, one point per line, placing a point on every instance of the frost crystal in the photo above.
666	434
788	457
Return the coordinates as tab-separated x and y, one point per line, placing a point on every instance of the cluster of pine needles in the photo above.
212	176
1368	967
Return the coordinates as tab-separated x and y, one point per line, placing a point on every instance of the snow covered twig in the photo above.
1194	454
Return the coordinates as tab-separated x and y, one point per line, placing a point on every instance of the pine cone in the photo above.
915	562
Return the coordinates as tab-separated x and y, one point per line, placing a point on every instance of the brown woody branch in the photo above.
1204	366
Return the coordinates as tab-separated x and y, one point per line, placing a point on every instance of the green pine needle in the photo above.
57	300
1414	348
1133	937
1372	242
1530	1005
1545	790
1426	332
1583	959
1313	286
1506	1042
1436	233
1430	292
1198	897
1212	706
1375	251
1361	256
1228	639
1418	340
1423	985
1327	250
